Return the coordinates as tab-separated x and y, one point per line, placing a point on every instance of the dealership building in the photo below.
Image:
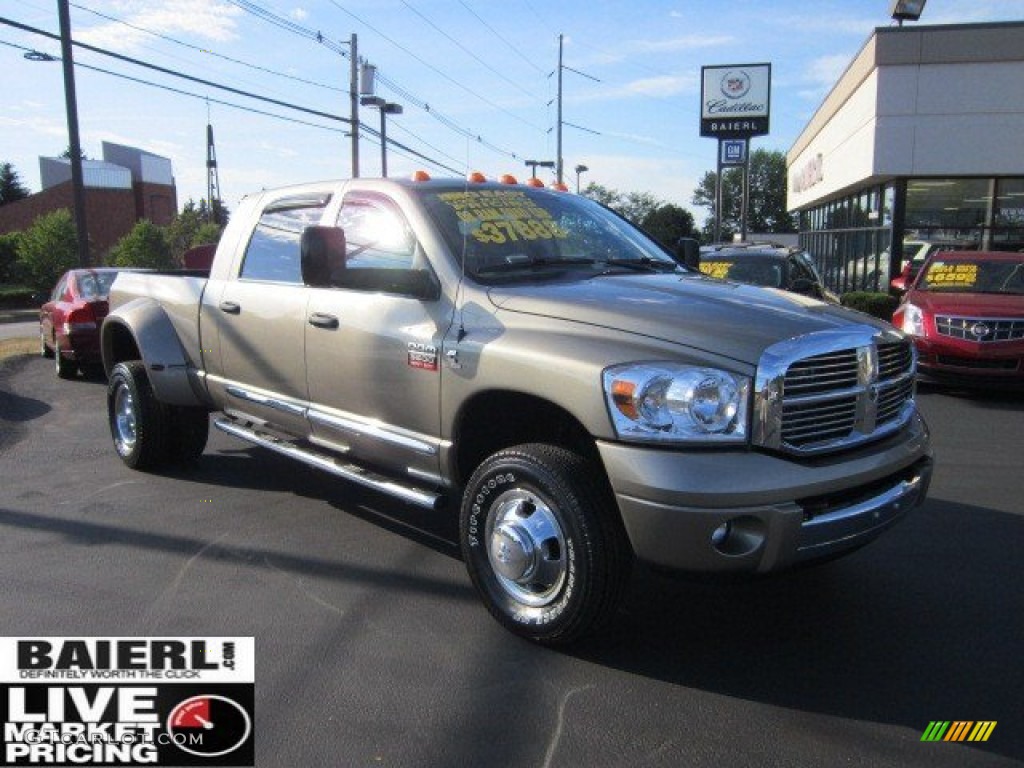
922	139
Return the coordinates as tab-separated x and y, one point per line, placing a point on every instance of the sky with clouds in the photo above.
476	79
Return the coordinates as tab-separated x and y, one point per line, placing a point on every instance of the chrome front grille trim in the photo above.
980	329
833	390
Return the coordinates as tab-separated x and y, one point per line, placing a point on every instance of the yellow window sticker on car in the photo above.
942	274
499	216
719	269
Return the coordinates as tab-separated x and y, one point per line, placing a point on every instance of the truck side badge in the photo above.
423	356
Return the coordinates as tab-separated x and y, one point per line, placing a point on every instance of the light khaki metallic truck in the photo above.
530	361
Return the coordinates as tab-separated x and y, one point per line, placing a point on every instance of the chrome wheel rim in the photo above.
125	422
526	548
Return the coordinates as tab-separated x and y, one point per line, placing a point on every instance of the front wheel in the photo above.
138	421
543	544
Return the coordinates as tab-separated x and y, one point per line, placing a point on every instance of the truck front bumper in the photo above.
728	511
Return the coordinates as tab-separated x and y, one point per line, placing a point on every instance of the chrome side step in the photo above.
345	470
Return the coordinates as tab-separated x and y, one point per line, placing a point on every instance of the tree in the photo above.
207	233
634	206
181	232
66	154
9	266
48	249
11	188
193	227
668	223
767	209
145	246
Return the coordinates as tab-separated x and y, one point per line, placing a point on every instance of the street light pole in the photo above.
386	108
75	144
579	170
533	164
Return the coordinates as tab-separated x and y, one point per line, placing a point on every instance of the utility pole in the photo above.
558	134
559	164
353	93
75	144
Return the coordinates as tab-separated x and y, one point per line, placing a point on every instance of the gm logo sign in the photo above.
734	151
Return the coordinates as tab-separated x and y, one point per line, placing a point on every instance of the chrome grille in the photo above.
833	390
980	329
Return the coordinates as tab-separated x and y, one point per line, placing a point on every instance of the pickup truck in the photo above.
528	360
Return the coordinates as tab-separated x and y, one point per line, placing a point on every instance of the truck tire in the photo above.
138	421
543	544
190	429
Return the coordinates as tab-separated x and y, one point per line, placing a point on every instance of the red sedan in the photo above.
965	311
69	323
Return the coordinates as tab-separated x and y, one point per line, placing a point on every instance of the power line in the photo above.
306	32
183	44
370	133
173	73
445	121
237	91
201	97
289	26
483	63
498	35
431	67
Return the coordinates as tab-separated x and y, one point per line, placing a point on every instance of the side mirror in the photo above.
322	252
688	253
806	287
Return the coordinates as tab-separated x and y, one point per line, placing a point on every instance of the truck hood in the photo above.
730	319
969	304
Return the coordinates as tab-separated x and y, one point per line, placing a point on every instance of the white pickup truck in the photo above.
529	361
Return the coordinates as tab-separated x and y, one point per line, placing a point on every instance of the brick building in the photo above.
128	185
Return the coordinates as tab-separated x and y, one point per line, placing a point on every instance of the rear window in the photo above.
750	268
94	286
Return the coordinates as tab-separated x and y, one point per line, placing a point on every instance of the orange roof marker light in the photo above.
476	177
420	176
508	178
560	187
534	182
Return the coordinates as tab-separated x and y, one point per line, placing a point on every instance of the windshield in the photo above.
527	233
750	268
974	276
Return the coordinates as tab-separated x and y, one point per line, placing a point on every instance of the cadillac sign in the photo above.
735	100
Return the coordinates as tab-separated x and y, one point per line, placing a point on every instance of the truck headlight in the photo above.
913	320
671	402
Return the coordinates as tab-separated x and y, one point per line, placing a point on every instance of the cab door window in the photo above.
382	254
273	251
377	235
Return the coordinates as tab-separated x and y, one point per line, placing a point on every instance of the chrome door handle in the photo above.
230	307
322	320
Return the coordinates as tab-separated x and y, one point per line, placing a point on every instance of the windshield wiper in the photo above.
535	263
644	263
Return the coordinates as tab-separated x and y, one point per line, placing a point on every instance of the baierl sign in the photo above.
735	100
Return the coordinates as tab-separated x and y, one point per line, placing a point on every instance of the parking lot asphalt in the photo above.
372	649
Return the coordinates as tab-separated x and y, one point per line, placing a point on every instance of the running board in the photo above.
345	470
